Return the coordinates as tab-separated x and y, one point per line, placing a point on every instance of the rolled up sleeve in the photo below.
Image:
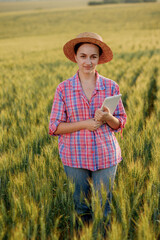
58	112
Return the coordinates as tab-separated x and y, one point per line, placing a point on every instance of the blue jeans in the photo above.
80	178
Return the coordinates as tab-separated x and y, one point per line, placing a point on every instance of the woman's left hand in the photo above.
102	116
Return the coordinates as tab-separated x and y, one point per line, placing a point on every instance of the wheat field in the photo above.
35	196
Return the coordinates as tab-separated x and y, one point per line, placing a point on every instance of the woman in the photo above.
87	144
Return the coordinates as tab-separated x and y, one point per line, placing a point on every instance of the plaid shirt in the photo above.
86	149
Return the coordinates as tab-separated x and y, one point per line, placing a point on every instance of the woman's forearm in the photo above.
65	127
112	121
89	124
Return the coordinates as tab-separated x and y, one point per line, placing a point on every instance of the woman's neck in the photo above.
91	77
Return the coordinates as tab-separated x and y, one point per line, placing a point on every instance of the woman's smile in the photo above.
88	67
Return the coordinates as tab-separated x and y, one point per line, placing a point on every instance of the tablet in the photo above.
111	102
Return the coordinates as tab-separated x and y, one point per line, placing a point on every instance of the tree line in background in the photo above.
118	1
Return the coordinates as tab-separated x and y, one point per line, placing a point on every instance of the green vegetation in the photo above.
93	3
35	196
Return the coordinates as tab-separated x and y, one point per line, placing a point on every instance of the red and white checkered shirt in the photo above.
91	150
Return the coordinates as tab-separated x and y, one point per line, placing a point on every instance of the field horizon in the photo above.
42	5
15	6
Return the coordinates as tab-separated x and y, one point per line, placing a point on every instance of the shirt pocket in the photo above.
77	110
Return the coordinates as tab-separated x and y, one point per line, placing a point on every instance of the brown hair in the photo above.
80	44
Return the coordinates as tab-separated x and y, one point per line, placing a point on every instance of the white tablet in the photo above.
111	102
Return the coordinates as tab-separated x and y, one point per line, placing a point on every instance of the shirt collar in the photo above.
77	85
99	82
76	82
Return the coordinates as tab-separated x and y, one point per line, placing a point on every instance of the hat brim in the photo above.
105	57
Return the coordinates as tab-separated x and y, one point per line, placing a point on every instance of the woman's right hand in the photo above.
92	124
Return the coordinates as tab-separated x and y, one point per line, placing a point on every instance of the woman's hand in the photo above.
92	124
102	116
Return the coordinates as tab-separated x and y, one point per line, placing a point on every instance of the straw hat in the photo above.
88	37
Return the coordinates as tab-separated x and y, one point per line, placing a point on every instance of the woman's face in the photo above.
87	57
